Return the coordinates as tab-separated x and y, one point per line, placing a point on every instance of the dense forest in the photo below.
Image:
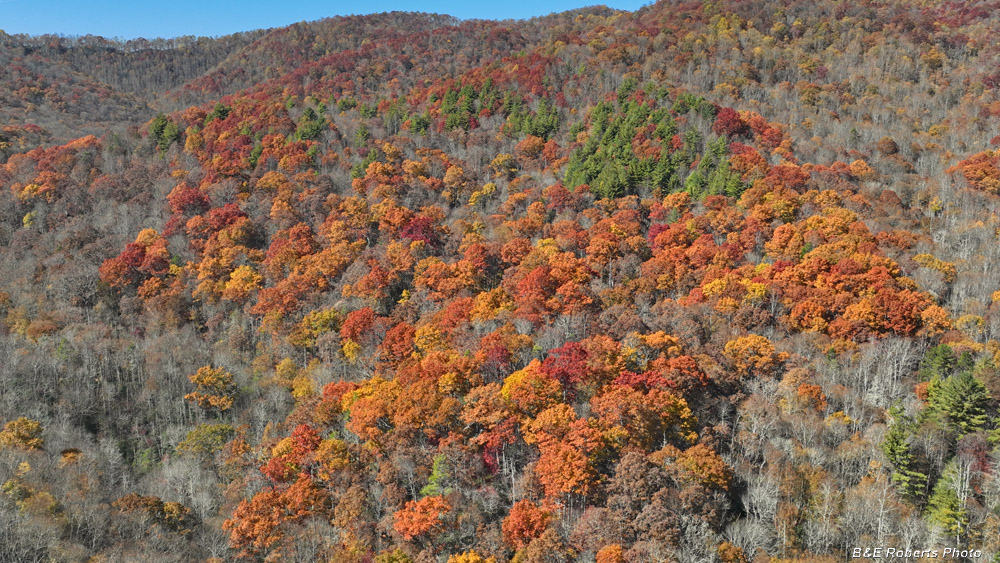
704	282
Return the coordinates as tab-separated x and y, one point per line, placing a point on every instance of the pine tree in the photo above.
310	125
896	447
171	134
695	184
963	400
945	509
437	482
939	361
220	111
724	181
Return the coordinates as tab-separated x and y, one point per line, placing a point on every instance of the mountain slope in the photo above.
72	86
702	282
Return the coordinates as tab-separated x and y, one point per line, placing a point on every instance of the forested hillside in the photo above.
705	282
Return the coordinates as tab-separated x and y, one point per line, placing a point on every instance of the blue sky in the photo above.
171	18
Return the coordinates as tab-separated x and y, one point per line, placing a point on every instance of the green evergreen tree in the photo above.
666	129
611	182
449	101
310	125
420	123
437	483
945	509
255	153
361	136
695	184
157	126
346	104
627	87
220	111
166	132
664	175
937	361
965	362
359	169
963	399
896	447
487	94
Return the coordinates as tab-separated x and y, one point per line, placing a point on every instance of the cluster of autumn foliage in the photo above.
703	282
